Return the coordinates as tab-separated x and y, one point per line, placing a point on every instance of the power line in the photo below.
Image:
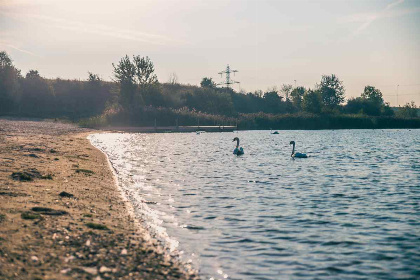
408	85
401	94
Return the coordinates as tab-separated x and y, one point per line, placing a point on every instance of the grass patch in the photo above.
33	155
12	194
53	151
2	218
21	176
48	211
66	194
85	171
87	215
30	216
97	226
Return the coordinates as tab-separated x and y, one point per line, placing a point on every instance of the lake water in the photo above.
349	211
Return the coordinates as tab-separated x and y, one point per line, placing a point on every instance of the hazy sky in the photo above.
268	42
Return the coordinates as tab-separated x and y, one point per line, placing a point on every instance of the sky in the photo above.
269	42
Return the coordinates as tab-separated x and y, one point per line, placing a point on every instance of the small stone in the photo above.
88	243
91	270
65	271
124	252
55	235
34	258
98	278
69	259
104	269
67	237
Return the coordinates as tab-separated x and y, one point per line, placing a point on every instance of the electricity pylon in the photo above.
228	81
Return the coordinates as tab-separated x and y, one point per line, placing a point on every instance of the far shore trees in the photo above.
37	94
286	89
297	96
331	90
9	83
135	79
136	97
207	83
370	103
312	102
409	110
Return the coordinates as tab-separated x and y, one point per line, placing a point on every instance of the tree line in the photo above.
136	97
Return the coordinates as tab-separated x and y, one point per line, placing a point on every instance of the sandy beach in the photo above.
61	214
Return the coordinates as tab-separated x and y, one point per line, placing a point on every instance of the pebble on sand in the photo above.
91	270
64	271
104	269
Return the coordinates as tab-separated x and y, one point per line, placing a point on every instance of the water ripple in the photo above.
349	211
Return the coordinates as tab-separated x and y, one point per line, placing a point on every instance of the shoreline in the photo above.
129	207
148	130
63	214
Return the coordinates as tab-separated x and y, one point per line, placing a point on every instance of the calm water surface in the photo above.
349	211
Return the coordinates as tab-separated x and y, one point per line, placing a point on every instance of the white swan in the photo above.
296	155
238	150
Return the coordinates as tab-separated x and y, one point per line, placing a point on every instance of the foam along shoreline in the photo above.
142	214
63	216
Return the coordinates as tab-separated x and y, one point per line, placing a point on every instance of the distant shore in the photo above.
62	215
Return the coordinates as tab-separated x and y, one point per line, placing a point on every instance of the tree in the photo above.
373	97
409	110
5	60
33	74
331	90
286	89
373	94
173	78
207	83
370	103
9	83
386	110
273	103
93	78
297	96
136	78
95	95
37	95
312	102
125	73
145	71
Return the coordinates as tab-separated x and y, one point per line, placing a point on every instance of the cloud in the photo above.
96	29
366	19
396	3
9	45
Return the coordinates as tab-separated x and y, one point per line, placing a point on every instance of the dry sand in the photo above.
84	233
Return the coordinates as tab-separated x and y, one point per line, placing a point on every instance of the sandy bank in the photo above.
84	233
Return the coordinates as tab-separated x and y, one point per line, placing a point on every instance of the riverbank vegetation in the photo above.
135	97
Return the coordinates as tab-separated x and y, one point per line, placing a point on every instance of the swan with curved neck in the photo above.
238	150
296	155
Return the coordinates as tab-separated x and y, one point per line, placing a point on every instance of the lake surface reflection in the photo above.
349	211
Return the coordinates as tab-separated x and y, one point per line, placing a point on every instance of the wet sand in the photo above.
61	214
